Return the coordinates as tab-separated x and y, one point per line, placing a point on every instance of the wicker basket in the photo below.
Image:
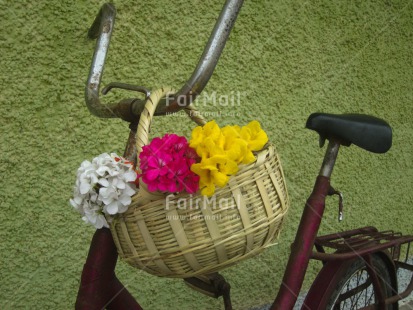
188	235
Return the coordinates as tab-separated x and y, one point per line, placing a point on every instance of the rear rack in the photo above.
359	242
364	241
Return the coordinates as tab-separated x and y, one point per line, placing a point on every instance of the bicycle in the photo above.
359	266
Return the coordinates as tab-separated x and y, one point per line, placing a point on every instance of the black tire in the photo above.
355	289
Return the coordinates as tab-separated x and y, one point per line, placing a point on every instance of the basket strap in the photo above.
195	115
152	248
142	135
266	201
214	231
181	237
243	212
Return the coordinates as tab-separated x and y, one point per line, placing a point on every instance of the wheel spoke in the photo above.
356	289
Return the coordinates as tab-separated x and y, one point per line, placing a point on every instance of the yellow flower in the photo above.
254	135
207	138
221	150
214	171
235	146
205	179
199	133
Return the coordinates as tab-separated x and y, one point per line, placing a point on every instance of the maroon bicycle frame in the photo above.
336	263
301	249
301	252
99	286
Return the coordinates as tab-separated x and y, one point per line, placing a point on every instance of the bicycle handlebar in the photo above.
128	109
101	30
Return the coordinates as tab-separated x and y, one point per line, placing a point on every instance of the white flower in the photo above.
103	188
94	215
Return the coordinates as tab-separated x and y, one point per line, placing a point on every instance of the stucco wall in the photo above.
285	59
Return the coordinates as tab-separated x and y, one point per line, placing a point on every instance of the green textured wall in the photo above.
286	58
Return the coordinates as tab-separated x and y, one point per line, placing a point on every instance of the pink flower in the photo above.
157	166
191	155
179	144
178	171
165	164
165	184
191	183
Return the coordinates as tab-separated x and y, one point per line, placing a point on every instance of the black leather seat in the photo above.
368	132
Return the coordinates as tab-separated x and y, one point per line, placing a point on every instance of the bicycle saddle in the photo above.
368	132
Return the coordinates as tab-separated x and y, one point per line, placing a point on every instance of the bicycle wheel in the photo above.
355	289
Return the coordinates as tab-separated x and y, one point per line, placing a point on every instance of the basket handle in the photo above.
142	135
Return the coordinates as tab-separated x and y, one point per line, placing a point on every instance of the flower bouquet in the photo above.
201	205
104	187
